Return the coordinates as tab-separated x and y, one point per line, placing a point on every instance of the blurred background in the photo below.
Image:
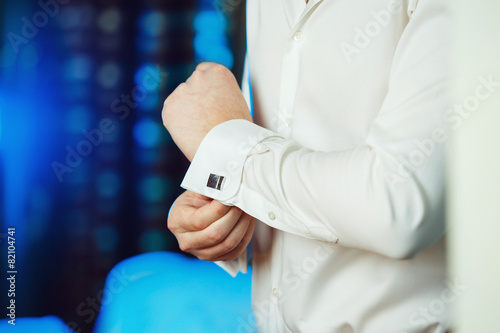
88	173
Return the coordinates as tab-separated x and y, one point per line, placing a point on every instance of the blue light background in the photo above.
138	160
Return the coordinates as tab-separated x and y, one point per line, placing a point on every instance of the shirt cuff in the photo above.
236	265
217	168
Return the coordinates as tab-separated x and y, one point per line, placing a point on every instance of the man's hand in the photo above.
208	229
210	97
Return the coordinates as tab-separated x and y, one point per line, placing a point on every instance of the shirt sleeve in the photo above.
386	196
236	265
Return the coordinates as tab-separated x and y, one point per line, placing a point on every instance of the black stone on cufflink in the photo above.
215	181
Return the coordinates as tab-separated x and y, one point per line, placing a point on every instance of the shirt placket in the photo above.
290	75
290	72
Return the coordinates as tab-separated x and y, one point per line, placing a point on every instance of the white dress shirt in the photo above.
345	169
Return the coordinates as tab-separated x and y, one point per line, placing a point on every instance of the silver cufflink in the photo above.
215	181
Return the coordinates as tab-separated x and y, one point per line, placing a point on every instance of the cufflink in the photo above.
215	181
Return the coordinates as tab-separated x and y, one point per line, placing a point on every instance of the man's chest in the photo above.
324	66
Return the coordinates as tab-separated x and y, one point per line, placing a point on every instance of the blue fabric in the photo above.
168	292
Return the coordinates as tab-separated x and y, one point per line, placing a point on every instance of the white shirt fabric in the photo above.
345	169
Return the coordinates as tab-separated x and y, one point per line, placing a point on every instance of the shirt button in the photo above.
299	36
271	216
276	292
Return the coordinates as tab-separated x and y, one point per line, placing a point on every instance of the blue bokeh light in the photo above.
151	102
106	238
109	21
109	184
78	118
147	133
148	77
220	55
207	40
152	23
109	75
148	45
76	16
210	20
78	68
153	240
210	42
154	188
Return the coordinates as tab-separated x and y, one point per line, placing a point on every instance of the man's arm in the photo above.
364	197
